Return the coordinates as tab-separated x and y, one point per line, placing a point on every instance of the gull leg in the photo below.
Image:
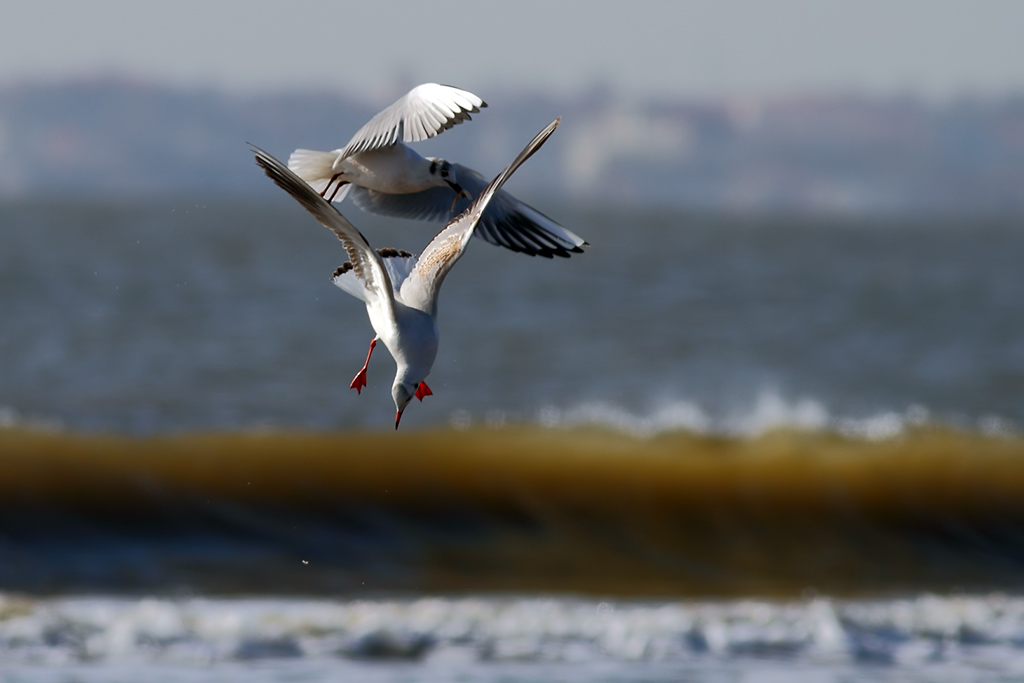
460	194
329	183
359	381
336	188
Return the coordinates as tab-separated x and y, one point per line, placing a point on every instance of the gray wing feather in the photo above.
507	222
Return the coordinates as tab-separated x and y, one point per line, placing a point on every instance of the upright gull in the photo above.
384	176
399	289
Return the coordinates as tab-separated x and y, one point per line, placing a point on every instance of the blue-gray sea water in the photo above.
727	554
177	316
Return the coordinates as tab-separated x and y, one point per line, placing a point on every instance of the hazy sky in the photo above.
927	47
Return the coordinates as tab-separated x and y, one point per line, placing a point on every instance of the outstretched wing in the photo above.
507	222
422	113
365	262
421	287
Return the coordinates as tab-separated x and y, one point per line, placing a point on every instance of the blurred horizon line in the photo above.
395	86
113	134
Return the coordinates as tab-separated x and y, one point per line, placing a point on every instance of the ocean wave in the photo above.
201	631
769	411
512	509
10	418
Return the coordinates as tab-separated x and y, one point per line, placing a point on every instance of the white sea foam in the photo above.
11	419
952	630
767	412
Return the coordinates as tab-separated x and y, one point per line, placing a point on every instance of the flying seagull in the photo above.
399	289
385	176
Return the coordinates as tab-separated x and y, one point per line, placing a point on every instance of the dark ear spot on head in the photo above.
433	167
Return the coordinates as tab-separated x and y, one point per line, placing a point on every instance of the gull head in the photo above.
402	393
444	174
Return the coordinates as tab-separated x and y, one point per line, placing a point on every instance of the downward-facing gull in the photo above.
383	175
399	289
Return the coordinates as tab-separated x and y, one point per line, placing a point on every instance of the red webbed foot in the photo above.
359	381
423	390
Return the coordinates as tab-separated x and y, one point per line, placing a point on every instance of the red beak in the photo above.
398	418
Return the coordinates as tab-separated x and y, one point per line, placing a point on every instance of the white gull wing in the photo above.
507	222
421	288
365	262
396	262
422	113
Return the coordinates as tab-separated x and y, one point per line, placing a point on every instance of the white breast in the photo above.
394	169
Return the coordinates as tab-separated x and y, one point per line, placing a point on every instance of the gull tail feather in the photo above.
316	168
